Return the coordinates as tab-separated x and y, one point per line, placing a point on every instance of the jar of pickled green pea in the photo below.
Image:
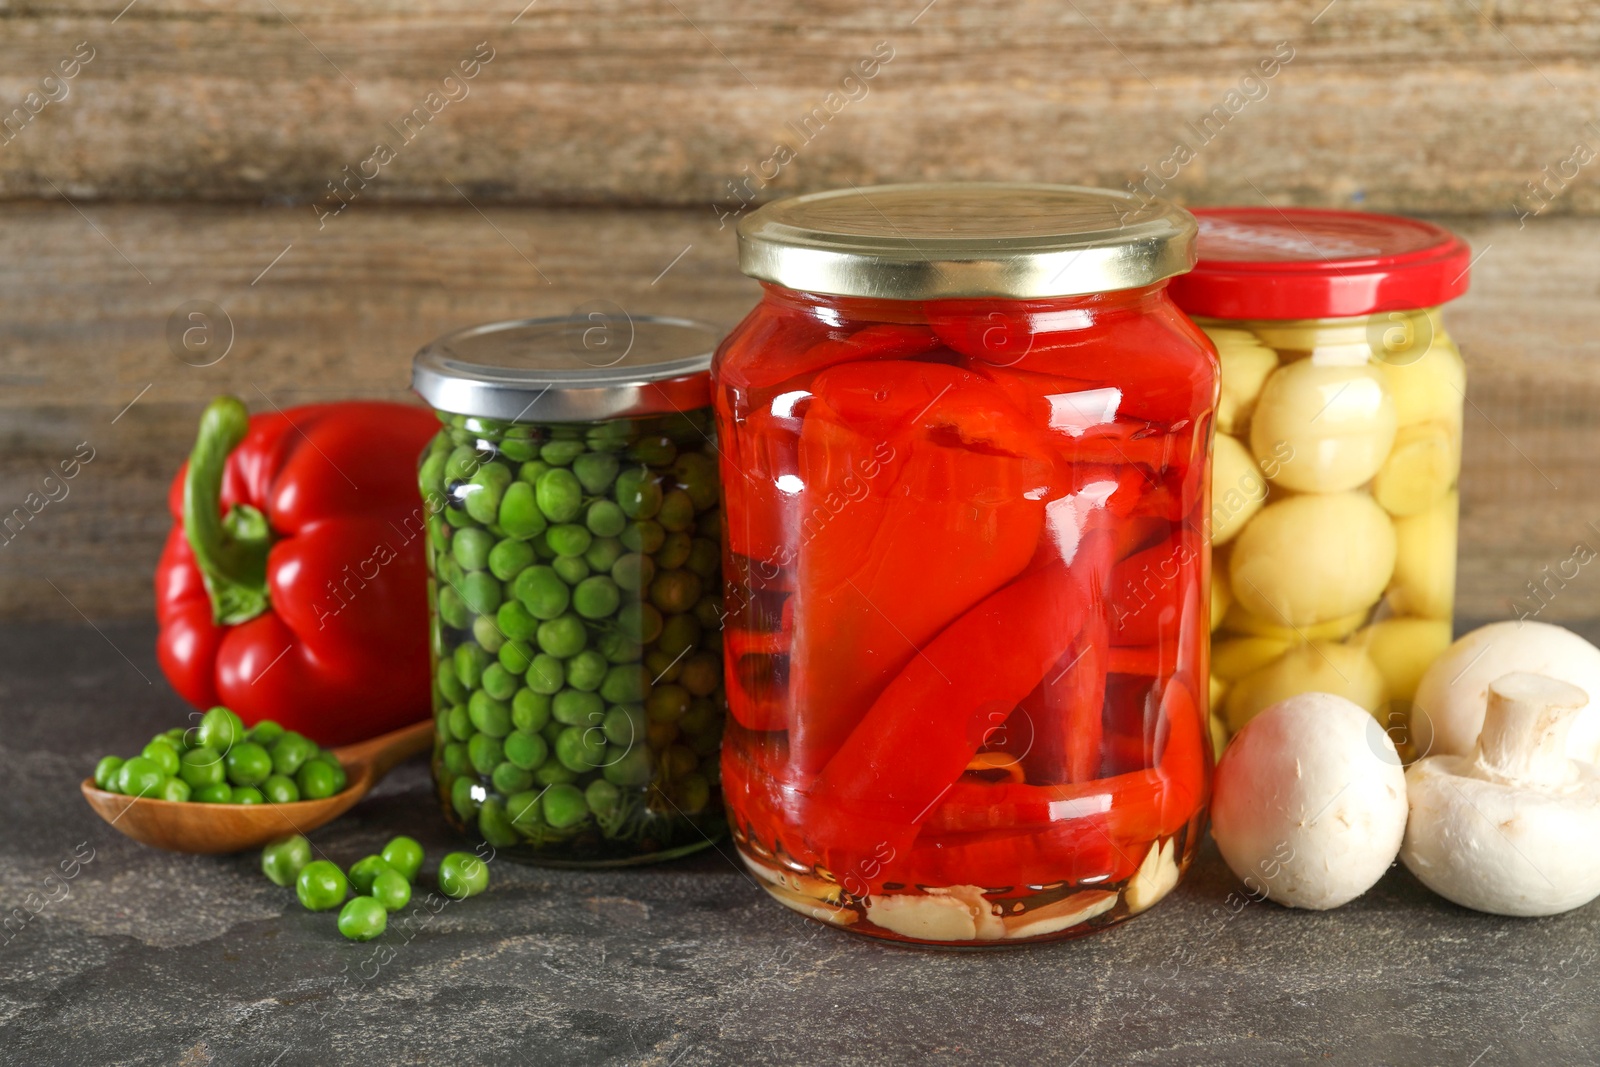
572	512
1338	446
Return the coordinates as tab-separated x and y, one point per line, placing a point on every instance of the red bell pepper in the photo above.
293	585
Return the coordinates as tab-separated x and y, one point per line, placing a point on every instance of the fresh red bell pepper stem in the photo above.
230	550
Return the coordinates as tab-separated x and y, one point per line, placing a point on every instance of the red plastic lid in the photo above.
1305	263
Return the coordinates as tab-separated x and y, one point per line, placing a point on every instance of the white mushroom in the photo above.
1309	804
1510	830
1447	712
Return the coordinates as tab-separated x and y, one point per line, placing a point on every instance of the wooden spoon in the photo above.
190	826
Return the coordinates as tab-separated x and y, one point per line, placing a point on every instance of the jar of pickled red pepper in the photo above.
573	519
965	442
1338	447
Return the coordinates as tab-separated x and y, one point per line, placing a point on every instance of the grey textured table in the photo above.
148	957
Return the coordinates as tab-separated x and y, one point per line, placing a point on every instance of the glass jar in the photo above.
1334	497
573	523
965	450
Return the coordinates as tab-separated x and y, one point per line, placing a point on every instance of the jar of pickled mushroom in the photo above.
1338	447
965	445
573	517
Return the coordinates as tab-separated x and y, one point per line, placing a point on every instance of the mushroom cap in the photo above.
1309	802
1499	846
1447	713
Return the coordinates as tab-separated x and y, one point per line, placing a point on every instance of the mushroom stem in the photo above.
1525	726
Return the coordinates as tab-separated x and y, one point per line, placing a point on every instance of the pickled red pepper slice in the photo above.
779	364
926	725
887	562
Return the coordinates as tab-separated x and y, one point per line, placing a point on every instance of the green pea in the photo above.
174	789
264	732
624	724
667	703
655	449
573	707
520	516
597	596
248	794
470	660
453	610
603	554
470	548
485	753
508	778
696	474
561	453
499	683
569	539
559	494
677	511
455	758
552	772
530	710
460	722
661	666
581	748
516	656
563	637
508	558
605	519
641	622
450	572
461	463
619	649
364	870
248	764
675	591
709	612
524	811
316	780
525	749
487	634
632	769
702	672
595	471
514	620
484	491
550	731
404	854
140	776
362	919
488	715
518	450
105	773
391	889
624	684
602	797
704	557
637	493
541	590
201	767
481	592
693	794
220	729
340	777
643	537
571	569
546	675
283	860
530	471
586	670
215	793
462	875
463	798
430	475
564	807
178	737
163	755
674	551
457	518
679	634
707	741
280	789
633	572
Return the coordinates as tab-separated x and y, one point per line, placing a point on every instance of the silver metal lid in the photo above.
579	368
966	239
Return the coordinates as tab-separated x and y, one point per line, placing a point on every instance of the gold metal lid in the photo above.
966	239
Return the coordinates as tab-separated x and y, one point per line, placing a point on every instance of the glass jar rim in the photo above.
569	368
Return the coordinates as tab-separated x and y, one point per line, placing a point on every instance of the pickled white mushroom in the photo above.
1402	650
1245	363
1338	420
1309	802
1242	621
1310	559
1221	597
1430	387
1320	667
1237	489
1420	470
1235	657
1425	561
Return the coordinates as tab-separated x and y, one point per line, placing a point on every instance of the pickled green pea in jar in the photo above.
574	552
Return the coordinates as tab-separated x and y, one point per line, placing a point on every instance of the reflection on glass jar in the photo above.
965	455
1338	452
575	576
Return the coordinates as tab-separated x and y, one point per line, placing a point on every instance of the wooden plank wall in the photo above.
188	158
